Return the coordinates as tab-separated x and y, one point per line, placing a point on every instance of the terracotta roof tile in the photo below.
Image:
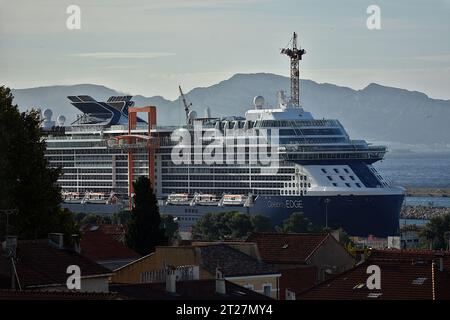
287	247
55	295
404	276
99	246
297	279
40	263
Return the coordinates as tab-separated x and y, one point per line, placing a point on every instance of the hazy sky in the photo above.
150	46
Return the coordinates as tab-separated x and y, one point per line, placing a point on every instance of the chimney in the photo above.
9	246
56	240
76	243
290	295
220	282
171	279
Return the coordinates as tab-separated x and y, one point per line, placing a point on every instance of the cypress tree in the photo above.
144	230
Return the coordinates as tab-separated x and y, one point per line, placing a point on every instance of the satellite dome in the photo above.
192	115
48	114
61	120
258	101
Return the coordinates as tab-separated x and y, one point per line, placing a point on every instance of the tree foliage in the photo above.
437	232
170	226
261	223
296	223
95	219
144	230
26	182
229	225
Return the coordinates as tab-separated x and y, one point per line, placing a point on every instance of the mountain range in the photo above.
377	113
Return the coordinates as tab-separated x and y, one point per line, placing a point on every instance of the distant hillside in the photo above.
376	113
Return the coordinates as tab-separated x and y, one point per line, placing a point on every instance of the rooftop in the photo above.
405	275
289	248
100	246
55	295
233	262
40	263
187	290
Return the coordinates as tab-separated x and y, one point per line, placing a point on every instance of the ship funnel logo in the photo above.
230	146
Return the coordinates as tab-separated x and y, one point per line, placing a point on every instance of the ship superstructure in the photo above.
313	168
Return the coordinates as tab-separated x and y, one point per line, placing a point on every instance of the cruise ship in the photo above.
311	166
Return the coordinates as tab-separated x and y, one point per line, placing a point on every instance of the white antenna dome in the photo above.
48	114
192	115
61	120
258	101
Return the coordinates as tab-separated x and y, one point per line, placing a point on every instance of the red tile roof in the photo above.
99	246
55	295
404	276
116	231
40	264
292	248
411	254
297	279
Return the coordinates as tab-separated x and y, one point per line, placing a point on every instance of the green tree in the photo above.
170	226
121	217
261	223
437	232
93	218
144	232
223	225
296	223
26	182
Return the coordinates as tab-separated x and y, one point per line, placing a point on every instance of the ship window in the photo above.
358	185
348	185
330	178
346	171
309	185
336	170
352	177
335	184
342	178
324	171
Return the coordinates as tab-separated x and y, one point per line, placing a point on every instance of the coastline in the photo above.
428	192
